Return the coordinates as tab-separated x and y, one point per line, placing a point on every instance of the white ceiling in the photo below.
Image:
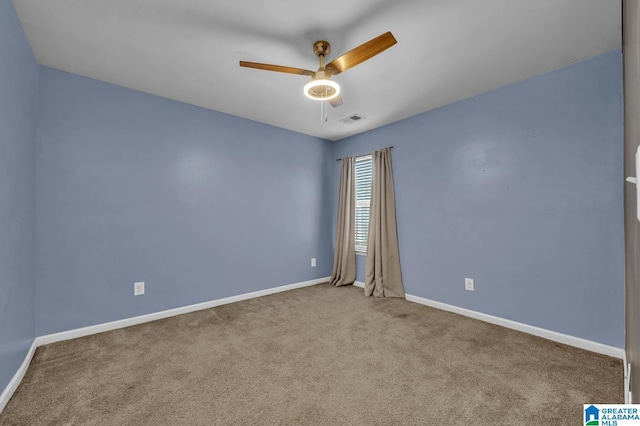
188	50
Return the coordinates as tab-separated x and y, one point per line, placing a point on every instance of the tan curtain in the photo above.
383	274
344	258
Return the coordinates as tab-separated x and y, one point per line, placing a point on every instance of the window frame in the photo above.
362	249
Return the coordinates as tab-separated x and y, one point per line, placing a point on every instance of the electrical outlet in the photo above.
313	262
138	289
468	284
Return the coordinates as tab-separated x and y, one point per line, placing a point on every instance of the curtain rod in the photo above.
338	159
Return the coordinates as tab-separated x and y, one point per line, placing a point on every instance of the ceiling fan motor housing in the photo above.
321	48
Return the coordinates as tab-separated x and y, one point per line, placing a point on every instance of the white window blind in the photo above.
363	200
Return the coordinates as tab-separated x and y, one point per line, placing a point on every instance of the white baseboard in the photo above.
127	322
114	325
530	329
99	328
17	378
525	328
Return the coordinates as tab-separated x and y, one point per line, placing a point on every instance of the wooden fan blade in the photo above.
277	68
336	102
361	53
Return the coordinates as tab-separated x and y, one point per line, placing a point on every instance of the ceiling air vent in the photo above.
352	118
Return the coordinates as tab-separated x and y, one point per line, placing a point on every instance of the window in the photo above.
363	199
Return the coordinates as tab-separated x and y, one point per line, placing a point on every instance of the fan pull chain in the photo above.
324	114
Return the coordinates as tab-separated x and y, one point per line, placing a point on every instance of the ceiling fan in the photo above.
320	87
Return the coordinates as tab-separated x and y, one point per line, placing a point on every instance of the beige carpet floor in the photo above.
318	355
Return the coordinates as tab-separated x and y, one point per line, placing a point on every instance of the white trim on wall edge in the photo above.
627	378
17	378
127	322
85	331
525	328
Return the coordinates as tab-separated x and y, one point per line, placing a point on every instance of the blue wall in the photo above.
18	99
198	204
522	189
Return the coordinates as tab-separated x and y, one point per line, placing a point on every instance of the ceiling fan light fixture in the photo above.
321	89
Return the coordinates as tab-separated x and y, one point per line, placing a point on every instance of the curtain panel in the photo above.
383	274
344	258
